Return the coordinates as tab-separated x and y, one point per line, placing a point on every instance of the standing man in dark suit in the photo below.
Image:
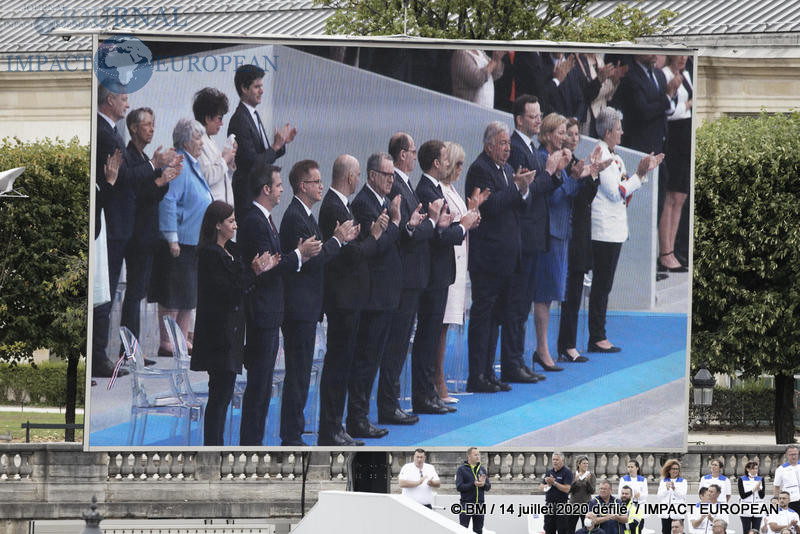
385	269
265	305
346	278
251	136
116	200
433	301
153	177
494	251
534	222
304	290
415	232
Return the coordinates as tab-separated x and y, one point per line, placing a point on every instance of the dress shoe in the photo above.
429	407
339	439
660	267
492	379
593	347
530	371
441	404
164	352
661	276
683	260
104	369
449	400
481	385
365	429
398	417
547	368
565	357
519	375
148	362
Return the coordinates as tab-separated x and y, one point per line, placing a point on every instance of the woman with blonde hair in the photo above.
457	293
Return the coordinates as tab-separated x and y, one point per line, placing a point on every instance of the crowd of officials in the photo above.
568	492
194	225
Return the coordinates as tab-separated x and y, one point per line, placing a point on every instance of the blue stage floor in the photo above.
654	354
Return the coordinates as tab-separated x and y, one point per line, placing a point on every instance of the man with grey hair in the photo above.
787	477
384	292
556	485
494	251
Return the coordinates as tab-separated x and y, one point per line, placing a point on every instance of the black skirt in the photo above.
173	282
678	155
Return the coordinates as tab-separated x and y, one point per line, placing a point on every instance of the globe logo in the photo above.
123	64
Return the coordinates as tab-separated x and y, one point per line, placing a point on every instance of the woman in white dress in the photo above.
457	293
209	106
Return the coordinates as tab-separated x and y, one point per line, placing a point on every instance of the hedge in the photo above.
749	405
43	384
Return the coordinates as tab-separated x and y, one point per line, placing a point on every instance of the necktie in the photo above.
315	226
533	148
261	132
439	189
503	174
272	224
116	130
652	78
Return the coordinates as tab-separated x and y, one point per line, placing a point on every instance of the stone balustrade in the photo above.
57	480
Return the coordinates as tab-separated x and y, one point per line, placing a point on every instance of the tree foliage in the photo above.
491	19
43	250
746	290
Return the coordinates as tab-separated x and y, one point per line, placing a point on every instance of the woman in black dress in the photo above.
222	281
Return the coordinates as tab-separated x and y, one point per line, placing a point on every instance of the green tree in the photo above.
491	19
43	251
746	288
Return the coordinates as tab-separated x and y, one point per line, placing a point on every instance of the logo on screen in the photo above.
123	64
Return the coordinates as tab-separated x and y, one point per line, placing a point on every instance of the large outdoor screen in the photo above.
584	265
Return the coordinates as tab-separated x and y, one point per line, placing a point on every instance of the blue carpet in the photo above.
654	354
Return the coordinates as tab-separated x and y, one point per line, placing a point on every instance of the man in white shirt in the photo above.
418	479
787	478
785	518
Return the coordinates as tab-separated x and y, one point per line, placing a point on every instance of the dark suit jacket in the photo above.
265	302
347	275
494	246
145	222
250	149
414	248
385	267
221	287
580	245
304	288
442	256
534	219
116	200
644	109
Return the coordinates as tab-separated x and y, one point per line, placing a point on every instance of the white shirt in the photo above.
423	493
216	171
784	517
682	96
438	184
706	525
265	211
787	478
672	497
259	125
342	197
525	139
638	484
748	483
609	210
723	482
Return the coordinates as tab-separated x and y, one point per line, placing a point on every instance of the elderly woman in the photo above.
678	160
551	266
610	222
671	493
180	212
222	281
209	106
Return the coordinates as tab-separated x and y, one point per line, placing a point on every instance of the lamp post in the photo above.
92	518
703	382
